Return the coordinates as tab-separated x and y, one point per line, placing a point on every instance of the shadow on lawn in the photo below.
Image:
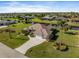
66	49
53	36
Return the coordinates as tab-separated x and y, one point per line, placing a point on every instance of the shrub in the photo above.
32	35
61	46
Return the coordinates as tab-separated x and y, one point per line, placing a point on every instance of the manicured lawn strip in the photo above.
17	39
47	49
44	21
10	19
73	31
74	24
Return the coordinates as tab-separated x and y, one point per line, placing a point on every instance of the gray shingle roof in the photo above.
7	21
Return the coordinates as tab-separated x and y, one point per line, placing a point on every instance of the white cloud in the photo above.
46	7
20	7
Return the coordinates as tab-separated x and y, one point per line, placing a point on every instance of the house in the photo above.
60	18
39	30
27	17
48	17
75	27
7	22
42	30
49	31
77	21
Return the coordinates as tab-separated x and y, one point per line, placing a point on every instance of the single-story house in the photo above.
49	31
7	22
75	21
48	17
60	18
42	30
75	27
28	17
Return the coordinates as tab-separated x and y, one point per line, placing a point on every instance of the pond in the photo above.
75	27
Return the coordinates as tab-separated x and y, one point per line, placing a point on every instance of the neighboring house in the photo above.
28	17
60	18
7	22
7	16
75	27
77	21
48	17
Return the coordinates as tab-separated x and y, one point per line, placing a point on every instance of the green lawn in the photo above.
17	39
18	27
73	31
44	21
73	24
47	49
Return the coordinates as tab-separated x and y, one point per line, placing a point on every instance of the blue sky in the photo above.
39	6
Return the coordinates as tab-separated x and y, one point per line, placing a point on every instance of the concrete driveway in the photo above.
33	41
6	52
3	26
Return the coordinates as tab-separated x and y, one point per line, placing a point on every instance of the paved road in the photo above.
32	42
6	52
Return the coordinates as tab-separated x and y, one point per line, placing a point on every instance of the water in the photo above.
75	28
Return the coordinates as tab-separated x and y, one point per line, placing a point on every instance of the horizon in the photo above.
39	12
38	6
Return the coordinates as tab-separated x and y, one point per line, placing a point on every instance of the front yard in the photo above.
17	38
47	49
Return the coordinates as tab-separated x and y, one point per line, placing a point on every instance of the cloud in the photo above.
20	7
52	6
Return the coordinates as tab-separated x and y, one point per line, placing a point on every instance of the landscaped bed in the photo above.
15	39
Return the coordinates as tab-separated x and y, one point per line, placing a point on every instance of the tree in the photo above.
20	18
25	32
61	46
64	25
